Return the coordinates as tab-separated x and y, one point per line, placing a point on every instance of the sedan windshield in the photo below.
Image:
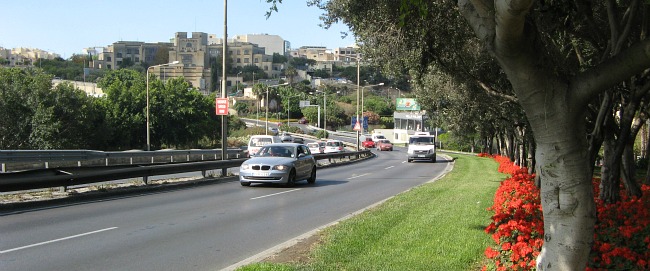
277	151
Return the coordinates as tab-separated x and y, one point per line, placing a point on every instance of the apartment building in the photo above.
272	44
114	56
25	56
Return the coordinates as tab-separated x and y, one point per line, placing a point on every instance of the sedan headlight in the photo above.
245	167
281	167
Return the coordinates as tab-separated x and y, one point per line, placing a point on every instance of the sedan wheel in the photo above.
312	178
292	178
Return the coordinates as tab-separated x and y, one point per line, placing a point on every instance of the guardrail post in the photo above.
145	180
47	164
62	189
203	173
4	167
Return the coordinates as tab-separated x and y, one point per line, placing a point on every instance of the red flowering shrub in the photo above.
622	232
622	238
517	225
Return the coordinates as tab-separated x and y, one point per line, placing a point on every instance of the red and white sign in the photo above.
222	106
357	126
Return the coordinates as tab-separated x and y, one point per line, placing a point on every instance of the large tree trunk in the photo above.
610	172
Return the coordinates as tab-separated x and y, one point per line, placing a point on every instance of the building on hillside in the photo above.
272	44
133	52
318	53
25	56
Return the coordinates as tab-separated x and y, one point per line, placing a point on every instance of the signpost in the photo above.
222	106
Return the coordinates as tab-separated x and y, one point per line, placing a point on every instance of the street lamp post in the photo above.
362	90
266	122
148	126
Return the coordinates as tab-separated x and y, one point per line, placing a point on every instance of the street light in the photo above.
288	106
380	84
266	122
237	79
148	129
324	108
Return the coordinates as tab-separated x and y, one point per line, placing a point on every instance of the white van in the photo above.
377	136
258	141
422	146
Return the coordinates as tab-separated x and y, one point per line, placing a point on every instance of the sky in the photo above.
67	27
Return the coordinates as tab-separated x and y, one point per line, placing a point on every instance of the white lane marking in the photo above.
270	195
403	162
354	177
389	167
57	240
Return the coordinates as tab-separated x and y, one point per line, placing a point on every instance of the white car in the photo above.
282	163
316	147
286	137
334	146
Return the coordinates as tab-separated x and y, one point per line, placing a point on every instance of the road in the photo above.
208	227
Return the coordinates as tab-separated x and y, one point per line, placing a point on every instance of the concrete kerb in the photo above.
291	242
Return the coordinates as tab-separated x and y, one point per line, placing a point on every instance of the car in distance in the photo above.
256	142
281	163
384	145
334	146
303	121
299	140
286	137
368	143
316	147
273	130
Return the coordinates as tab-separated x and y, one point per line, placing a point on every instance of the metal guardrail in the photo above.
13	160
69	176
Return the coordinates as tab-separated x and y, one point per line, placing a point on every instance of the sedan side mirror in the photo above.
301	155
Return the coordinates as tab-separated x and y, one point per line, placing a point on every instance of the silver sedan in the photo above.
280	163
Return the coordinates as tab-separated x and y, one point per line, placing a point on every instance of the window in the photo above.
188	45
239	60
108	58
137	59
238	52
246	60
119	54
246	52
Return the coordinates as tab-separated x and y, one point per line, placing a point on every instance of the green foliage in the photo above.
37	116
278	58
291	129
321	134
301	62
322	73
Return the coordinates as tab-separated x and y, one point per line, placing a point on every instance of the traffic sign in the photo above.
221	105
357	127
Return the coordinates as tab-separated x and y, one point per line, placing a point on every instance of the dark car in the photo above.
303	121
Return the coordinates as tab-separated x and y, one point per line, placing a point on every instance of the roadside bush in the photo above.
621	238
321	134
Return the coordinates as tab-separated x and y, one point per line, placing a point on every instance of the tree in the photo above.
161	56
278	58
558	56
125	105
180	115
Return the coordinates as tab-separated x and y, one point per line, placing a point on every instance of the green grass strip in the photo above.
436	226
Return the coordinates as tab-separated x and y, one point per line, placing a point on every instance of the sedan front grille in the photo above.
258	167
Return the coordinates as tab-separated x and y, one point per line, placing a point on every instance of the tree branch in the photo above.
480	16
510	18
621	67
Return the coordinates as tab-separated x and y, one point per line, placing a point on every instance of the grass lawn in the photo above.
436	226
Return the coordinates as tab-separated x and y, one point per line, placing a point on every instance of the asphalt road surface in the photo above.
207	227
